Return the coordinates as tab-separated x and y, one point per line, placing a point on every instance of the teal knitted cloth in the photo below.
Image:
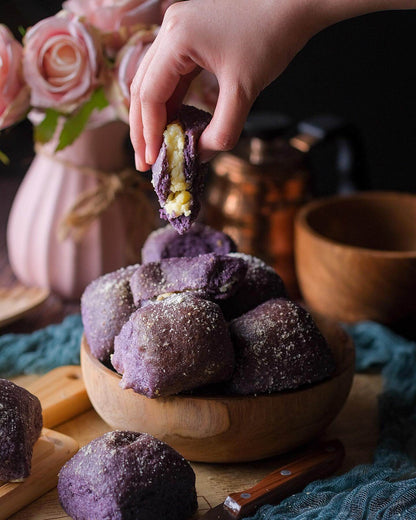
384	490
42	350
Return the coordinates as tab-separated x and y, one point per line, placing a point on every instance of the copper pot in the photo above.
256	189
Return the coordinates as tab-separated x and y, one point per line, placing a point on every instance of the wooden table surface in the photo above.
356	425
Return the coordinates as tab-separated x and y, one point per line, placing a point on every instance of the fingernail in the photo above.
206	156
137	161
149	157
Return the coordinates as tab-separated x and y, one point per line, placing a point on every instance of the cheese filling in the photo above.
179	199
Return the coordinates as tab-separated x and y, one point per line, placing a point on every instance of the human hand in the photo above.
245	44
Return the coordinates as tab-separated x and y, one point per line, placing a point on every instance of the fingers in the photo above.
157	91
135	114
152	108
166	79
231	112
155	116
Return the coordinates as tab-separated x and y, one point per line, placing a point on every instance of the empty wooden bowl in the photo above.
356	256
226	428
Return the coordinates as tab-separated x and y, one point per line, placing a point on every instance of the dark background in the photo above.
363	70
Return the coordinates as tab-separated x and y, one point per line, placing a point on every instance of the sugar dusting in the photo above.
218	276
278	347
177	344
20	427
125	471
106	304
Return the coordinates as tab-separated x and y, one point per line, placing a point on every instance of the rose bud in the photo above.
14	93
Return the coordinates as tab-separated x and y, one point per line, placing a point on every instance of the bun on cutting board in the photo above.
177	175
106	305
20	427
126	475
278	347
198	240
177	344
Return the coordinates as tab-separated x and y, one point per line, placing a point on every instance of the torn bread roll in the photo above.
178	175
212	276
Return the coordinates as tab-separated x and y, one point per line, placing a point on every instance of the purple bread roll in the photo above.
198	240
126	475
211	275
278	347
260	284
173	345
20	427
178	176
106	305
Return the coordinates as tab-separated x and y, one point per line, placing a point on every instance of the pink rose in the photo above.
14	94
112	15
117	20
126	65
62	62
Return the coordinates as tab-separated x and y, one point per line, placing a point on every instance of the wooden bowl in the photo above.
356	256
226	428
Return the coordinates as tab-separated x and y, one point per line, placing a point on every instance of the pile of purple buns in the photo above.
198	316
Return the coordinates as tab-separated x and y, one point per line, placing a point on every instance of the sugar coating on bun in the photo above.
216	276
126	475
278	347
177	175
198	240
261	283
20	427
174	345
106	305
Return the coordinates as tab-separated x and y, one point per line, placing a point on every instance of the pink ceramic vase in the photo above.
43	253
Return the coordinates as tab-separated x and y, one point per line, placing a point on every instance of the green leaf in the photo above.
46	129
4	159
21	30
75	123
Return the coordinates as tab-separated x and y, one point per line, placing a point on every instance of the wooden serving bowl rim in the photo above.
343	363
227	428
302	220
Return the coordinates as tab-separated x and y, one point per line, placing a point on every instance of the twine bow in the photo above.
93	203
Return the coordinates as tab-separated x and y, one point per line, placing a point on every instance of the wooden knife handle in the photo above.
317	462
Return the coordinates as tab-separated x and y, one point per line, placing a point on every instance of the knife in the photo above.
314	463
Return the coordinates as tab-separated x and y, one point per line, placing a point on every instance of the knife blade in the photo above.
314	463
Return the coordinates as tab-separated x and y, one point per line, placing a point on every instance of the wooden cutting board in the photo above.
62	394
357	426
50	453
